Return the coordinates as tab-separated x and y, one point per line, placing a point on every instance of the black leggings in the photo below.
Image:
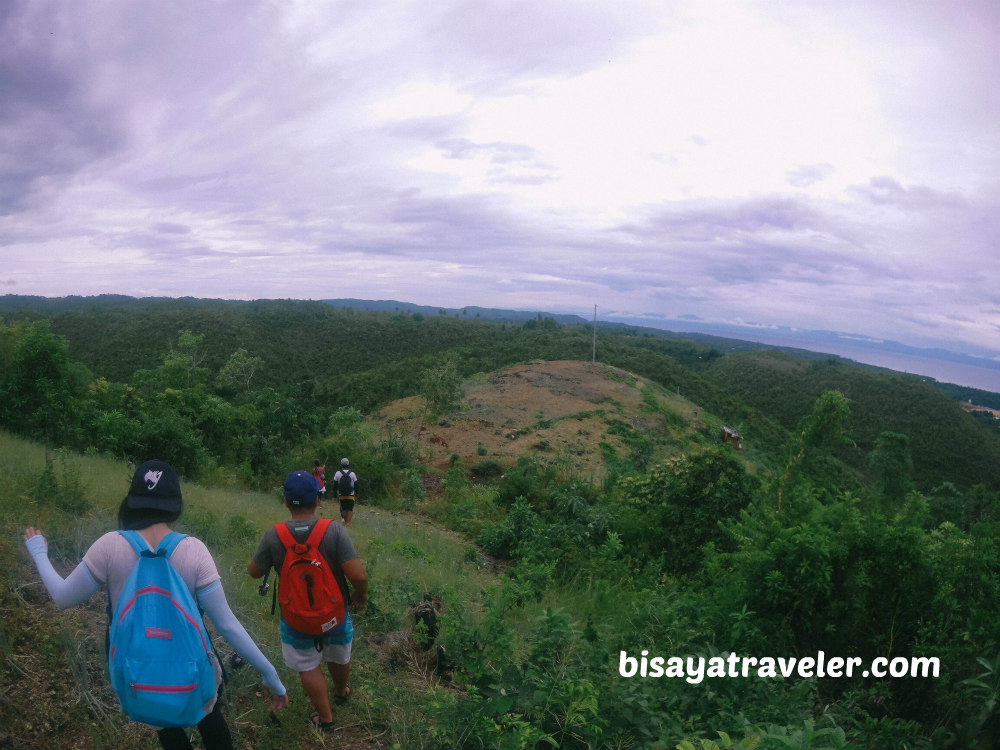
213	729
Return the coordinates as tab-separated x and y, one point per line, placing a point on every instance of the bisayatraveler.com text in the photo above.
694	669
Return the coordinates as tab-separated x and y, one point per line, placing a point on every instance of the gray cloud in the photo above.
707	221
886	191
497	152
267	144
165	227
51	124
809	174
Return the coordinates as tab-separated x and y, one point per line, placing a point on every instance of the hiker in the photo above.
303	650
319	471
152	504
346	482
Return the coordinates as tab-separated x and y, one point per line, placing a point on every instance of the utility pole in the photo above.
594	355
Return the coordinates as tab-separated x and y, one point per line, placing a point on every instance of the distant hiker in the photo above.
153	502
346	482
295	543
319	471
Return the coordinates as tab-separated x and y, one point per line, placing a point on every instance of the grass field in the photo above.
53	688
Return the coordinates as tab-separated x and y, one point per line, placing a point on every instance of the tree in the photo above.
892	462
817	433
239	369
442	387
36	386
676	508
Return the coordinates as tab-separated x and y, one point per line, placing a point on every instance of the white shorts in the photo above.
307	659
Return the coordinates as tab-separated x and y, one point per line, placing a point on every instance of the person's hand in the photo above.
278	702
34	542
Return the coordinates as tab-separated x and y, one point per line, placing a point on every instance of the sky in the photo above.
810	164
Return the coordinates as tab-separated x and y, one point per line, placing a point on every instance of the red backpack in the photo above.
311	601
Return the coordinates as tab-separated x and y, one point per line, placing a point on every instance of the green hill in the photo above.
946	442
558	515
308	359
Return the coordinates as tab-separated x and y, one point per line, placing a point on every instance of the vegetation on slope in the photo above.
848	526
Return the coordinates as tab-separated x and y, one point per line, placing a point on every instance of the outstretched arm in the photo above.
67	592
213	601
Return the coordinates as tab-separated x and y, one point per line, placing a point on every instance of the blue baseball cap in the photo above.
301	488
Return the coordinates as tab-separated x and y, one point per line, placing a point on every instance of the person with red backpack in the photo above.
319	471
315	559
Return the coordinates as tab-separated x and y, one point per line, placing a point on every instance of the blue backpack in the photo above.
159	650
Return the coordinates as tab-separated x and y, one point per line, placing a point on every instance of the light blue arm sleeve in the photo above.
67	592
213	601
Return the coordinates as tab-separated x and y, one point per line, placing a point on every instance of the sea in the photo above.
944	371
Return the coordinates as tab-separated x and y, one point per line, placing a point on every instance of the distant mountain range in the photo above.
976	368
725	336
469	312
826	341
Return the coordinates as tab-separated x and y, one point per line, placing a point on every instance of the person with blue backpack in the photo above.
159	582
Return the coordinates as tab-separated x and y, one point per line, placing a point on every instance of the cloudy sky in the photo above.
810	163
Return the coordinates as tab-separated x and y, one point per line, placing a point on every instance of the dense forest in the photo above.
861	518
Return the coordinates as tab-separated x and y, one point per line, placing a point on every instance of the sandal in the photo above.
320	725
340	700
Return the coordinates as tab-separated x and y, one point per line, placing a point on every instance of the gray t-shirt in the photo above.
336	548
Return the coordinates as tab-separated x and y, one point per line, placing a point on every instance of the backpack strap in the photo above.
315	536
169	543
284	535
318	532
166	546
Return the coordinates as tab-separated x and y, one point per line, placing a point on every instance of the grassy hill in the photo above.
572	415
557	513
315	358
562	411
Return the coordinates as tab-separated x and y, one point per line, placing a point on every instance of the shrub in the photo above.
488	468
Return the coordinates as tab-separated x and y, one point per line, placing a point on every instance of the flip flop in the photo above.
320	725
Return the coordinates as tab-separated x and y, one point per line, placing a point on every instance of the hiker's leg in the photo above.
314	683
306	661
174	738
347	518
214	730
340	673
338	662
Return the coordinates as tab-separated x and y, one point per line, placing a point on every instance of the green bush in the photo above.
487	469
